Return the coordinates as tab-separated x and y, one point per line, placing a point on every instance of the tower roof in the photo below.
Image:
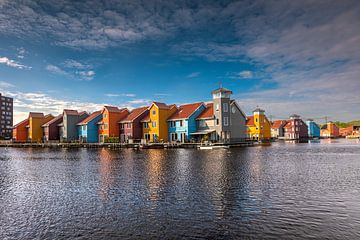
222	90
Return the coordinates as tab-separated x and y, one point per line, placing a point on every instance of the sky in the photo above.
286	57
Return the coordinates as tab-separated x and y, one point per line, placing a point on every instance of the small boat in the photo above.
209	147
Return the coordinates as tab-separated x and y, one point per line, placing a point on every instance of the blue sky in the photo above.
285	56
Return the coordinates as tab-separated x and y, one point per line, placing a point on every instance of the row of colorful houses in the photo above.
296	129
221	120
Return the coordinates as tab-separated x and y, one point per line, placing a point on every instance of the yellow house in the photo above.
35	131
258	126
155	126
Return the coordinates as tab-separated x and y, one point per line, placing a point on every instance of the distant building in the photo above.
20	131
222	120
131	126
68	128
350	131
277	128
330	130
51	129
35	130
109	125
295	128
6	117
157	127
182	124
313	129
88	128
258	126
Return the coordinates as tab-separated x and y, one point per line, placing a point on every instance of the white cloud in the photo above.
245	74
86	75
55	69
193	75
139	102
5	85
12	63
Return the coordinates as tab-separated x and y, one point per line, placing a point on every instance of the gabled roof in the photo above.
36	115
82	113
90	118
259	110
288	124
278	124
146	118
113	109
70	112
250	121
233	102
185	111
222	90
26	121
52	120
134	114
162	105
208	112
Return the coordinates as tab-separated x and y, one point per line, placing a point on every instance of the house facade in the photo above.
88	128
205	123
183	122
51	129
350	131
258	126
109	126
222	120
295	128
313	129
330	130
35	130
68	128
20	131
157	125
131	126
277	128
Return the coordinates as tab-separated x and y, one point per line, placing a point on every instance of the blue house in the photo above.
183	122
313	129
88	128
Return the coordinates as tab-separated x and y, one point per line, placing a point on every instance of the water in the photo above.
285	191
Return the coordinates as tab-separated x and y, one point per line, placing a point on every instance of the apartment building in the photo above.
6	117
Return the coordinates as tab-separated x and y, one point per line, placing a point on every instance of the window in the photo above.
154	112
217	107
84	127
256	120
181	123
146	125
225	107
202	123
105	126
233	109
296	123
153	124
226	121
104	115
122	125
217	121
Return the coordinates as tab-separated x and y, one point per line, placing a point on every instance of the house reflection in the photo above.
155	173
106	173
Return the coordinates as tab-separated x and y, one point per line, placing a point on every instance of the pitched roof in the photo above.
162	105
26	121
221	90
288	124
185	111
90	118
52	120
250	121
36	114
70	112
259	110
208	112
146	118
278	124
114	109
134	114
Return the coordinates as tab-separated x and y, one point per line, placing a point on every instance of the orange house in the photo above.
109	125
20	131
330	130
35	131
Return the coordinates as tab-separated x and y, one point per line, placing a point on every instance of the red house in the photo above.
295	128
131	126
51	129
